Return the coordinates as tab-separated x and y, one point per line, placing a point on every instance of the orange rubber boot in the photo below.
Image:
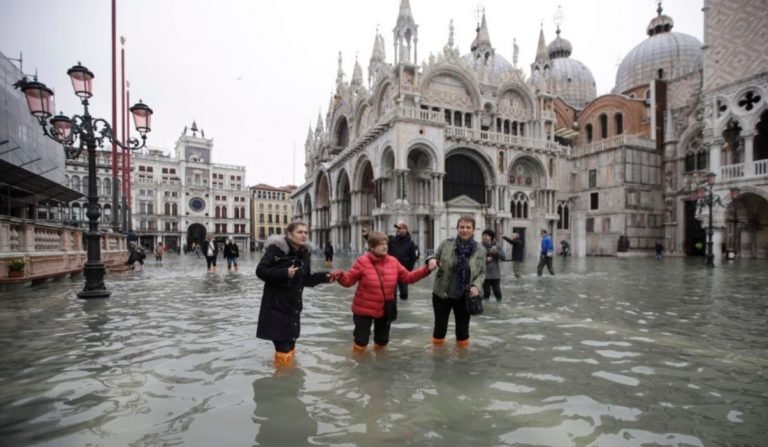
462	343
438	341
377	347
283	359
357	349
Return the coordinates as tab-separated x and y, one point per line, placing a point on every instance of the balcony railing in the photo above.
502	139
421	114
739	170
613	143
51	249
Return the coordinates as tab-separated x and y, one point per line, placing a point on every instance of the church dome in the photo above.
573	82
663	55
569	78
494	64
559	47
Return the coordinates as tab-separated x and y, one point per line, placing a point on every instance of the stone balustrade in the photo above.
613	143
50	249
729	172
502	139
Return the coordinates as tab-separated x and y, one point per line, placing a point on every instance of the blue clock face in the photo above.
197	204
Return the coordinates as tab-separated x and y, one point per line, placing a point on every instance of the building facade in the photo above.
77	179
473	134
270	211
34	182
179	199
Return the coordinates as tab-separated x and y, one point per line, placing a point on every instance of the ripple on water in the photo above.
171	359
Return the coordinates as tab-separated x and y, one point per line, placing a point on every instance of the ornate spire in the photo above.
319	127
405	16
406	34
357	75
450	34
339	73
377	57
541	50
376	54
382	49
483	39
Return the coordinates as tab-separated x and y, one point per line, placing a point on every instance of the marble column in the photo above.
749	155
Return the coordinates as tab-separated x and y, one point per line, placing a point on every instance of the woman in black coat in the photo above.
285	270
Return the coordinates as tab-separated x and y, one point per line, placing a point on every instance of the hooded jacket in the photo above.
371	293
281	303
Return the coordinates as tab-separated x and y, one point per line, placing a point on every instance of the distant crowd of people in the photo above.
209	249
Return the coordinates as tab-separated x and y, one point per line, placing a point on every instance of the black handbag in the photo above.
474	304
390	310
390	307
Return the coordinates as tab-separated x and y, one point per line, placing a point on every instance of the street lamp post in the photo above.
75	134
709	200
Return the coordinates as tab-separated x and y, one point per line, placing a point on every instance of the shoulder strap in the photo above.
381	283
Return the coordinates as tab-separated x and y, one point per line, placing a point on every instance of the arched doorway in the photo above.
463	176
464	190
195	235
747	225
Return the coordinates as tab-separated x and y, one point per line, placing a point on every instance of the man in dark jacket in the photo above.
231	254
518	253
402	247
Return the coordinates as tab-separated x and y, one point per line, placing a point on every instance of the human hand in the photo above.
473	291
335	275
432	264
292	271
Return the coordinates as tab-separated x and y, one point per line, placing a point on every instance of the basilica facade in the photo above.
524	150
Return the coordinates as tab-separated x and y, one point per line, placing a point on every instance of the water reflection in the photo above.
281	417
608	352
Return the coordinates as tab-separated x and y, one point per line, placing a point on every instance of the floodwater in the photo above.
609	352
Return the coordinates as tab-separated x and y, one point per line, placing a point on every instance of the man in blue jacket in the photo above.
547	251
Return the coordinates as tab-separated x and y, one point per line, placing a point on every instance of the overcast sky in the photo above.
254	74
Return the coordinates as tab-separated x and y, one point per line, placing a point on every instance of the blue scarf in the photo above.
464	250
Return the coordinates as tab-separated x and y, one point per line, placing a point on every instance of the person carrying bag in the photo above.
377	275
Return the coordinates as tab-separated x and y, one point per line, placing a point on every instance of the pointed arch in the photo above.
527	172
341	132
465	78
323	191
519	91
